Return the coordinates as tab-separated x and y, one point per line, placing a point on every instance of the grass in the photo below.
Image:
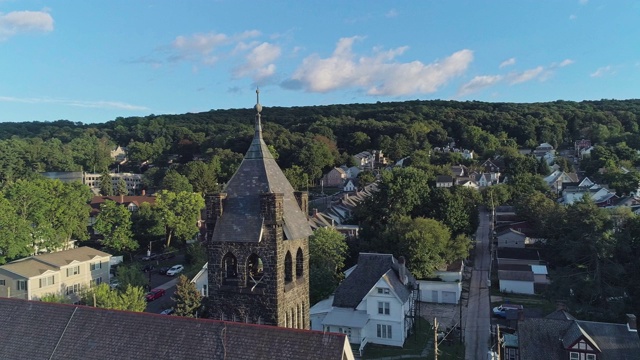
412	346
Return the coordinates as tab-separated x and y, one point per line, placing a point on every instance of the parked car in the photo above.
163	270
148	267
114	283
166	256
155	294
175	270
168	311
501	311
151	256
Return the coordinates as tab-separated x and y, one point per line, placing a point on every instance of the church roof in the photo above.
241	220
41	330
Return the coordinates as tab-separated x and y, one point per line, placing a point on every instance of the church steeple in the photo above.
258	148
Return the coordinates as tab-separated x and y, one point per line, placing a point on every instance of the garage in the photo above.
449	297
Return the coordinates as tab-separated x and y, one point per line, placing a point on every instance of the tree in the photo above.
298	178
176	182
327	253
180	213
495	195
103	296
55	298
131	275
121	187
106	188
147	224
15	239
423	242
366	177
114	224
196	255
203	176
187	297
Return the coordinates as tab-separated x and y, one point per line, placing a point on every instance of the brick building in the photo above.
257	244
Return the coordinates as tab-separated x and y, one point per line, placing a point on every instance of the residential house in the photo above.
364	159
131	202
119	154
491	166
560	336
580	145
459	171
41	330
556	179
472	184
444	181
446	285
375	303
350	185
63	272
487	178
514	256
511	238
586	152
522	279
334	178
602	196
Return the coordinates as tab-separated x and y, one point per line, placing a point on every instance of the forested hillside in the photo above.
316	137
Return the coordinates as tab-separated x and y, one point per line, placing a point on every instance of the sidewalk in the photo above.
168	284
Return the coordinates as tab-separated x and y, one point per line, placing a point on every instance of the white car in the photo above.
174	270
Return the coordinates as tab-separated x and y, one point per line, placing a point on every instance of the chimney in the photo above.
560	305
632	325
402	271
144	192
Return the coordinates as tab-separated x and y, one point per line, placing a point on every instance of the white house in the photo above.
446	287
374	304
201	280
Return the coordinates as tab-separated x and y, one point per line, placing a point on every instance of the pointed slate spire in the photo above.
258	148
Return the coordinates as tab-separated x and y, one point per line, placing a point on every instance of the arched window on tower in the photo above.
288	268
229	269
255	271
299	263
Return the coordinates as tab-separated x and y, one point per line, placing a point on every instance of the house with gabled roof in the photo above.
375	303
560	336
62	273
445	287
41	330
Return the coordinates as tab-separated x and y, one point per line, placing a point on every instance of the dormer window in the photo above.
384	291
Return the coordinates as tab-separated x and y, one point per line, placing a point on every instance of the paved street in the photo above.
478	314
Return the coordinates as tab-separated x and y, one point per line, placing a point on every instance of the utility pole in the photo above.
460	314
498	346
435	338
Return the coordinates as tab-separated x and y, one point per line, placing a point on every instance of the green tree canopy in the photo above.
180	213
114	224
131	298
187	297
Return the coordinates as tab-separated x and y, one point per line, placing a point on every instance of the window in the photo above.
383	291
574	356
73	271
229	268
384	331
288	265
49	280
96	266
73	289
21	284
1	282
95	282
299	263
591	357
383	308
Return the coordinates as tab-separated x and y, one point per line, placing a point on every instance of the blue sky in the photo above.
92	61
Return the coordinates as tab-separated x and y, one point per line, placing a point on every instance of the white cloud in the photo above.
583	2
378	74
259	62
565	62
478	83
18	22
391	13
507	62
78	103
527	75
605	70
573	17
202	47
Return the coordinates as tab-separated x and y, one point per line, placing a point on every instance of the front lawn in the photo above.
412	346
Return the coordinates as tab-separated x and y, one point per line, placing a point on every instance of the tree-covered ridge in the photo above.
396	128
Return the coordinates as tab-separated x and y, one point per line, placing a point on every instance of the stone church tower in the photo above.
257	244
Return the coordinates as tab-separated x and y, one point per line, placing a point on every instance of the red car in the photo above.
154	294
